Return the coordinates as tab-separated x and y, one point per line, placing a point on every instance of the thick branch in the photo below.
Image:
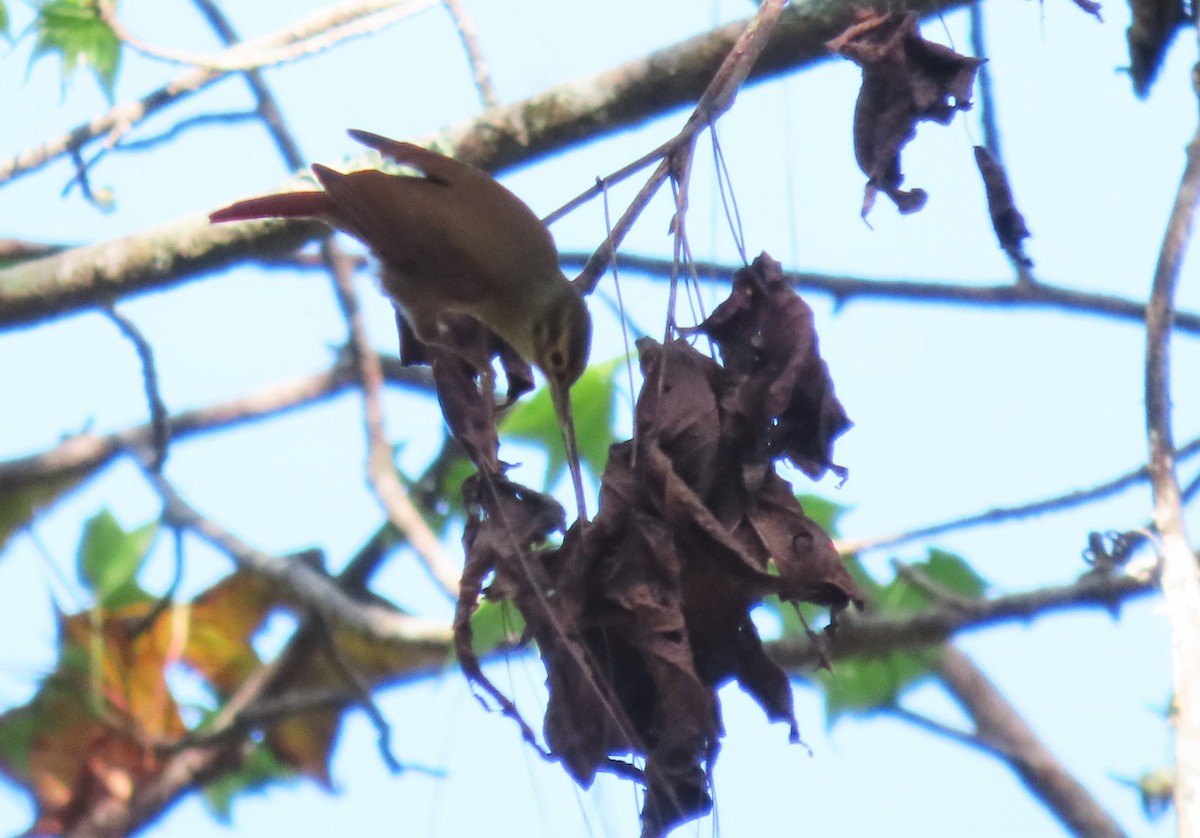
81	454
1180	573
498	139
1000	726
875	634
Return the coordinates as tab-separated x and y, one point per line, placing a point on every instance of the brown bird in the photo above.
455	240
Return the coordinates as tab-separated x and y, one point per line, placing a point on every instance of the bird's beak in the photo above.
560	394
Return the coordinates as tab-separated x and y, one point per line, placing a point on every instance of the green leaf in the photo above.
593	399
257	771
3	19
824	512
862	685
954	574
494	624
946	570
18	728
73	30
110	558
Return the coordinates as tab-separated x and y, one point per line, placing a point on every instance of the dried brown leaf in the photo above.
1155	24
1007	220
785	394
906	80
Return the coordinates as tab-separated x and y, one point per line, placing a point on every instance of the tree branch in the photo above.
381	13
497	139
81	454
465	24
117	121
307	587
875	634
843	289
997	515
1180	572
1000	727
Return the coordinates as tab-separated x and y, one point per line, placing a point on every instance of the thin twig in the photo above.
1180	571
181	127
305	585
117	121
266	109
381	465
376	15
1055	503
160	428
361	691
931	725
987	97
718	97
998	296
470	41
937	593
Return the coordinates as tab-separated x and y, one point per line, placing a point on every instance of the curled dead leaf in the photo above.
906	80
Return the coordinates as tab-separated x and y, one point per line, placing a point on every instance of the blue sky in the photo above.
956	409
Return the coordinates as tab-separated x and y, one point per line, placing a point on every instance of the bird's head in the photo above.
562	337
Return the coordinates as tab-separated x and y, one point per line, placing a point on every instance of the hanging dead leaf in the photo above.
906	80
1155	24
1007	220
767	337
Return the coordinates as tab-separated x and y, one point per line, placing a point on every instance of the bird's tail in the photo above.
285	205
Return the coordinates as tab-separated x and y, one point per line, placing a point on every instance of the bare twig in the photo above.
381	465
81	454
998	296
998	515
1001	728
375	16
470	41
160	429
262	712
718	97
181	127
117	121
987	97
362	697
931	725
938	594
1180	571
305	585
365	363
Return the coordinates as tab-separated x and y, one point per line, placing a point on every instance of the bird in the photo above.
452	239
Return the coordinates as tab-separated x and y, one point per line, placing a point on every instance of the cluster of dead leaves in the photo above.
643	613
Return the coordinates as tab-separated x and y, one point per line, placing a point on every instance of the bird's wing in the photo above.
436	167
284	205
390	213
